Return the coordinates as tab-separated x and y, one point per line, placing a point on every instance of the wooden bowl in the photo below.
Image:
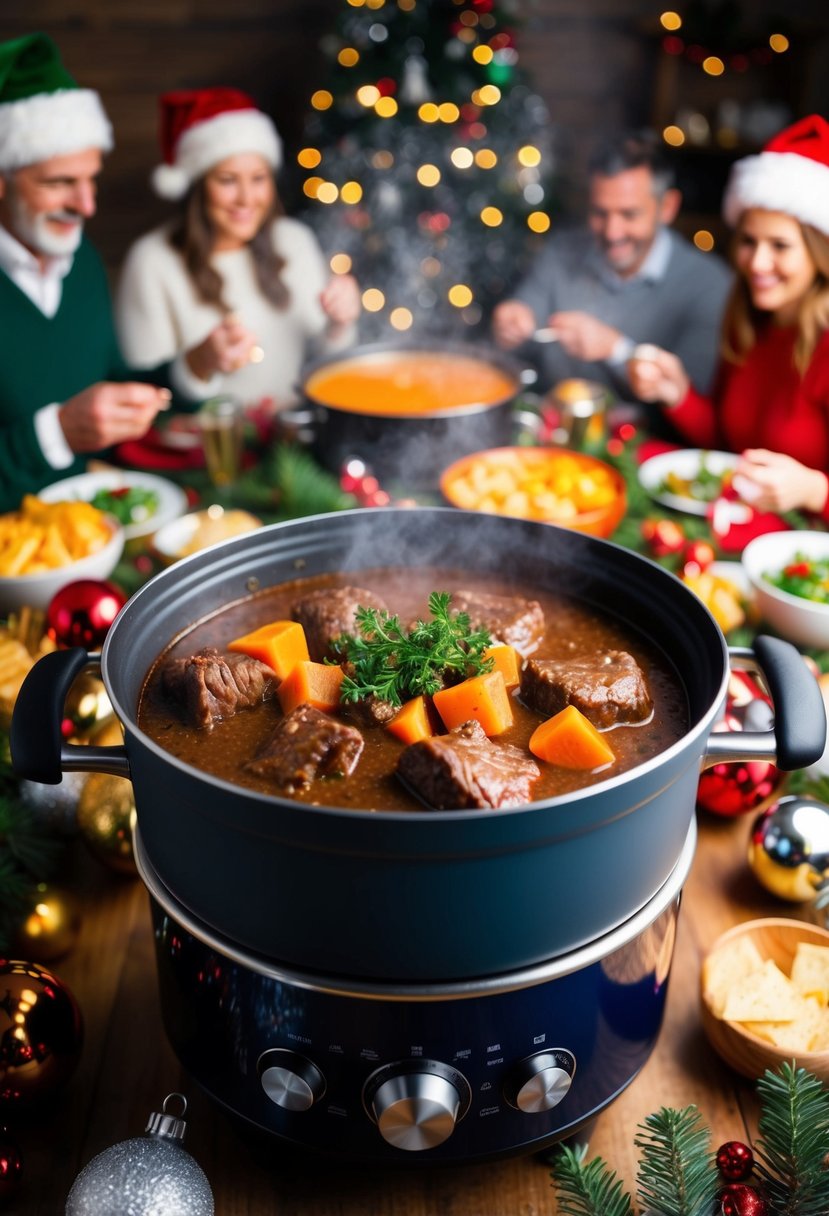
775	938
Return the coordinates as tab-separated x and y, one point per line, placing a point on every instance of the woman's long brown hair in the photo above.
192	234
742	321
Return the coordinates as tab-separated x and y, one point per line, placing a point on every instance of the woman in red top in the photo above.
771	398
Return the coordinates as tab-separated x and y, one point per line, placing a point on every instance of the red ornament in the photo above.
734	788
738	1199
663	536
81	613
41	1032
698	555
11	1164
735	1160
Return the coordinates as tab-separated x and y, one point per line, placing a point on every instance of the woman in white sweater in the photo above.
231	264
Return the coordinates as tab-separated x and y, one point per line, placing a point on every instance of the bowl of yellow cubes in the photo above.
555	485
44	546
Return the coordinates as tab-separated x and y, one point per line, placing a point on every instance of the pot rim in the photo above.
206	557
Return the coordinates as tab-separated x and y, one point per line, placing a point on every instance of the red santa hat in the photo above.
791	174
200	127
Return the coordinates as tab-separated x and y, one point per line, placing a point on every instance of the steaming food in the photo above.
391	748
409	383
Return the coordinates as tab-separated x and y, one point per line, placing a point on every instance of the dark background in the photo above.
596	63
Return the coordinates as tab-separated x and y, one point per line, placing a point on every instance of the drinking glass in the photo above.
221	420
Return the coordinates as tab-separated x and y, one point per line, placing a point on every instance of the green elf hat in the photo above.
43	113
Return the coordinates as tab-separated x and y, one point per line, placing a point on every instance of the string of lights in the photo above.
427	160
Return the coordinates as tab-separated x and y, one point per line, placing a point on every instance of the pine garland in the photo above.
303	487
26	857
677	1174
793	1141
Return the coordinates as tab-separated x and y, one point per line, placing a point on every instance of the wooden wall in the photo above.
593	61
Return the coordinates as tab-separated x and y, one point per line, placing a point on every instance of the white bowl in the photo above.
172	501
793	617
37	590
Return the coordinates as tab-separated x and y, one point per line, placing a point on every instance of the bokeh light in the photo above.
448	112
485	158
428	175
704	240
460	295
483	54
674	136
340	263
368	95
779	43
309	158
713	65
401	318
492	217
529	156
373	299
348	56
351	192
461	158
428	112
327	193
386	107
322	99
670	20
538	221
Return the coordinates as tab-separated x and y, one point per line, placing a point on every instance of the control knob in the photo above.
417	1106
539	1082
289	1079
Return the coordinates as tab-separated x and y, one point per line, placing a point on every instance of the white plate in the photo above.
172	501
685	463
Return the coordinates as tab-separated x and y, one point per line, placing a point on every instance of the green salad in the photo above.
805	576
129	505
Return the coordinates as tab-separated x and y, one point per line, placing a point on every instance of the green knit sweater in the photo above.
49	359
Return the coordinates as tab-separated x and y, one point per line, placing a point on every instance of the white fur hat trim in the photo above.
779	181
44	125
202	146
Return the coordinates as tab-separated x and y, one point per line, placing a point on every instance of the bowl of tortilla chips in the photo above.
765	996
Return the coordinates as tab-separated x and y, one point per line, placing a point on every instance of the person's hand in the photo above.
105	414
657	375
770	481
225	349
583	336
512	324
341	301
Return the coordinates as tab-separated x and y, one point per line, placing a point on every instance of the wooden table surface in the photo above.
127	1068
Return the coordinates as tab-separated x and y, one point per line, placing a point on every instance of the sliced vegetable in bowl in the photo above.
141	502
805	576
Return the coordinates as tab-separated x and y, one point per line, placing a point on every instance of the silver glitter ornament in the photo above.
788	850
150	1175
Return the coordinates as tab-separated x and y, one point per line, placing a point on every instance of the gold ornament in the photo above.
106	818
50	928
87	706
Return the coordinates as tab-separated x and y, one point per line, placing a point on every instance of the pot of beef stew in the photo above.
400	876
409	411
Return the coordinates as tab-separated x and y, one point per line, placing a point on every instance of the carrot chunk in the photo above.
280	644
411	723
507	662
484	698
570	740
308	683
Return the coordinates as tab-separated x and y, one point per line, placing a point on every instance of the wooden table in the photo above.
127	1068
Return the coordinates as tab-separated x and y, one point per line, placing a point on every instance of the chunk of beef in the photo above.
508	618
327	613
609	687
464	769
305	745
208	686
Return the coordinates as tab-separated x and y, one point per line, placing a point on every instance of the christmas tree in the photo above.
427	161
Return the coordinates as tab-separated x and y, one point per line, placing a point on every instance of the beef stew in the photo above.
379	771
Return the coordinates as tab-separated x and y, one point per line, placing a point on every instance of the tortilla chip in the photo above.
766	995
726	967
810	971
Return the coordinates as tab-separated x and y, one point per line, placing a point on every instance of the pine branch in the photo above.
677	1174
586	1189
304	488
791	1147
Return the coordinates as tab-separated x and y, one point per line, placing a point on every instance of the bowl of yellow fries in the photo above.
44	546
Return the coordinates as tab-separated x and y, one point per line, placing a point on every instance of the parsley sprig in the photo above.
394	665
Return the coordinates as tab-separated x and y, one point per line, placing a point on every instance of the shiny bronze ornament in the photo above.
41	1033
50	927
106	818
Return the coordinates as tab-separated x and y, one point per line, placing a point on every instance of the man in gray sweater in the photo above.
624	280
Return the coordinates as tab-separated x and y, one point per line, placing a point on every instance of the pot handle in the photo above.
799	735
38	750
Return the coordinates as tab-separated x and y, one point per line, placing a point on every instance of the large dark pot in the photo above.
411	449
438	895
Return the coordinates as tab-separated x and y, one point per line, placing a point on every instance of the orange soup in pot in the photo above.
410	383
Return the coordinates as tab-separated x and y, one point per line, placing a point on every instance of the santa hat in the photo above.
200	127
43	113
791	174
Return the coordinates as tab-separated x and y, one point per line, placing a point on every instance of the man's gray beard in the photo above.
33	231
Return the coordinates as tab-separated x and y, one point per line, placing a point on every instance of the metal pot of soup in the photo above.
407	412
376	874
